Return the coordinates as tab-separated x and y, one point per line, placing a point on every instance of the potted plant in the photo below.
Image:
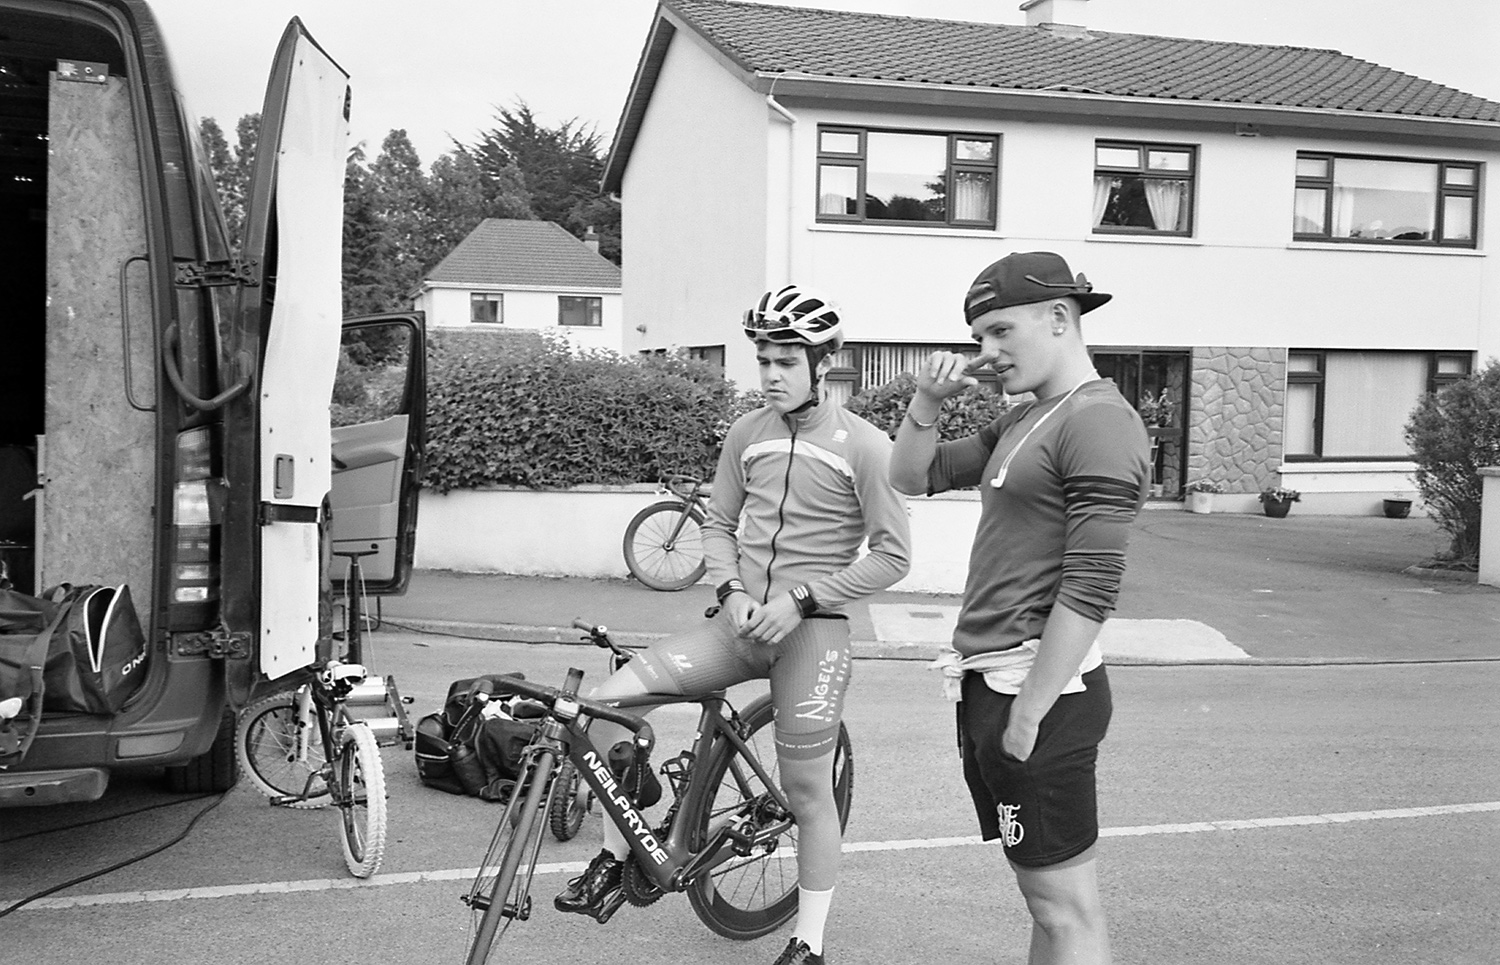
1200	495
1397	507
1277	501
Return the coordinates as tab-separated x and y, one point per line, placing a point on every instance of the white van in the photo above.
165	405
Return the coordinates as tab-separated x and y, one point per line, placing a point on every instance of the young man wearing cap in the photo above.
1060	479
800	486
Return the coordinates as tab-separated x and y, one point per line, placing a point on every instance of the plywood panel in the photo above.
99	458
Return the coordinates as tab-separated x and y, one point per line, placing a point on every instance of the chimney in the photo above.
591	239
1056	13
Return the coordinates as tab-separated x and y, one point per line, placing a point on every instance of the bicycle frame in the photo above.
329	716
672	864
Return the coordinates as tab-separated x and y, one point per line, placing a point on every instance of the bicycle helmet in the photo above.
794	315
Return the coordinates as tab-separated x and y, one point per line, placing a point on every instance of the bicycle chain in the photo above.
639	889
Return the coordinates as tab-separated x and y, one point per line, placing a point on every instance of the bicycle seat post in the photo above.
354	586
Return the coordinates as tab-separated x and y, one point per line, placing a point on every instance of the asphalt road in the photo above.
1252	814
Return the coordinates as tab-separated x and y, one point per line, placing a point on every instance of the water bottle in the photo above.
468	768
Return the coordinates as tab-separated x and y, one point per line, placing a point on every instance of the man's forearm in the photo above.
1065	642
916	444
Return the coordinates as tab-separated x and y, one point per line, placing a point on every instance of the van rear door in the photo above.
293	242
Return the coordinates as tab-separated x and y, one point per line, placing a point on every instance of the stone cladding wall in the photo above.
1234	422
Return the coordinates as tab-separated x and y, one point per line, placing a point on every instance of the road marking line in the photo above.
573	867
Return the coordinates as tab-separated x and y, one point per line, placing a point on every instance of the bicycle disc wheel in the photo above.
501	891
657	558
361	778
266	743
749	896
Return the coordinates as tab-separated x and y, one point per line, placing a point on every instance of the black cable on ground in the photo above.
107	817
115	867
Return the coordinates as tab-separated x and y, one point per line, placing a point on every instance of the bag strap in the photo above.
35	658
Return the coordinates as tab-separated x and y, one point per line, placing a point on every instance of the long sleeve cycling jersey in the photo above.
794	499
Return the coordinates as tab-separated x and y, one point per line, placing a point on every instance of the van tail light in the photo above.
197	513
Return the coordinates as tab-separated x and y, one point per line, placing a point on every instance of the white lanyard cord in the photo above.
999	479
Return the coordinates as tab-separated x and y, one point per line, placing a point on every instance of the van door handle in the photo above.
169	362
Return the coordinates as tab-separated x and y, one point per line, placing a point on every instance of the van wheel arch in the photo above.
213	771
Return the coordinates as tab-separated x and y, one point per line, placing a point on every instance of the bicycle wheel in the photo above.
657	557
266	744
749	896
361	799
501	891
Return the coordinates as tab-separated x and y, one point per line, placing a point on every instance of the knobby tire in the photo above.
361	776
266	744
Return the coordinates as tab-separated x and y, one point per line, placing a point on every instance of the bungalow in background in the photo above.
526	275
1295	238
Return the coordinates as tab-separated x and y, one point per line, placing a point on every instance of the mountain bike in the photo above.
728	838
319	744
664	542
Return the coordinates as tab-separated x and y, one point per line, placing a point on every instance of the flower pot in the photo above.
1200	503
1397	508
1276	508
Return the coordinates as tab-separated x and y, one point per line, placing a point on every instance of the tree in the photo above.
367	252
458	196
400	193
562	166
232	170
1453	433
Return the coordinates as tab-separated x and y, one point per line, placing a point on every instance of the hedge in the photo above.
531	411
520	409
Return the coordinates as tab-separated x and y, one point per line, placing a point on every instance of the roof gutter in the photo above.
1073	103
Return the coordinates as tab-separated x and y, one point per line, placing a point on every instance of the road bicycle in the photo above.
728	838
664	542
319	743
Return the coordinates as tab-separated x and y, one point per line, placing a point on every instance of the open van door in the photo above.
379	426
294	243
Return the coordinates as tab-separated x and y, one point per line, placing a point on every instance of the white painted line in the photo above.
573	867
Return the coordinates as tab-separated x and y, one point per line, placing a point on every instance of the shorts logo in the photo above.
681	661
840	435
1009	824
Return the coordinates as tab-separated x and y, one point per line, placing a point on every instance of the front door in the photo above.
1155	381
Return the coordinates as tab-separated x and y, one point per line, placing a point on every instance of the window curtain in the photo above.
1102	188
1368	398
1165	198
971	196
1343	212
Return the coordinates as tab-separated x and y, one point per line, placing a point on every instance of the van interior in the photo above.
77	376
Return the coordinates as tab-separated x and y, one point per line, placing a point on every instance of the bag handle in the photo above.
35	658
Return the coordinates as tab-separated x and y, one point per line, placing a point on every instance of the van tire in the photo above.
213	771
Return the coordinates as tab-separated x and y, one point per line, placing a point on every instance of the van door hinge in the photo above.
219	642
216	274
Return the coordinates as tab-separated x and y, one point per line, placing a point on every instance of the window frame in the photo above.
1143	171
1319	377
1444	191
859	161
586	302
484	298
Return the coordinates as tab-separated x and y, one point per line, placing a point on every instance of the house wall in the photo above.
696	232
534	309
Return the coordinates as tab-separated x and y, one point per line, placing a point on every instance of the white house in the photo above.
1296	239
532	275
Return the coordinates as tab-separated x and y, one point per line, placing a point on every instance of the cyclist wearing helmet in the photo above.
801	485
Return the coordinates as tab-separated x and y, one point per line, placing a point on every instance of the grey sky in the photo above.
438	68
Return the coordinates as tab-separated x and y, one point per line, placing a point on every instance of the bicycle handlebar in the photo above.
593	708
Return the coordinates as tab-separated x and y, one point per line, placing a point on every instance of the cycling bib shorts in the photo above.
808	670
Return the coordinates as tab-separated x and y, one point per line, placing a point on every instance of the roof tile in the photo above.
504	252
838	43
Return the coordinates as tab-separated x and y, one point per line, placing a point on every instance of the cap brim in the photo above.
1088	301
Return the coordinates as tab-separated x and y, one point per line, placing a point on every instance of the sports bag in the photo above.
98	651
27	625
474	747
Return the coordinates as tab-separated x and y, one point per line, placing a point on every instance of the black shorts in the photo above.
1045	807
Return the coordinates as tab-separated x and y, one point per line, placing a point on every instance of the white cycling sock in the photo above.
812	914
614	840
